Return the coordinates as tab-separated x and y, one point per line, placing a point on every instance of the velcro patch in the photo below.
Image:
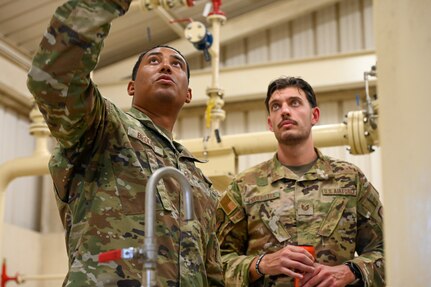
262	197
305	207
227	204
339	191
144	139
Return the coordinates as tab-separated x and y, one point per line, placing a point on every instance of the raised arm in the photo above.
59	77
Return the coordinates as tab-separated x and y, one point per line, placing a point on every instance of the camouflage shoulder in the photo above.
254	173
341	166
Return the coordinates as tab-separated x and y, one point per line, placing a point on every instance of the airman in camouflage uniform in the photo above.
105	156
300	197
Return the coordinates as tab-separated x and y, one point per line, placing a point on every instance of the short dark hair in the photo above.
286	82
138	62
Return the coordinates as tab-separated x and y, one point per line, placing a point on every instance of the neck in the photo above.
298	154
161	119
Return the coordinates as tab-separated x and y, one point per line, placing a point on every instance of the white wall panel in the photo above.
368	24
21	249
235	53
25	212
235	123
257	48
303	37
326	31
191	127
280	44
7	153
350	26
22	205
195	62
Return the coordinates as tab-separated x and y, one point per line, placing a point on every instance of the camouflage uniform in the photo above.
103	162
331	207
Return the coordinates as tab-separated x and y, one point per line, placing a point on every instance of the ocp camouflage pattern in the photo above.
331	207
103	161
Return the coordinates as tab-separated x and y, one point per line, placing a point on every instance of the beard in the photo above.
291	138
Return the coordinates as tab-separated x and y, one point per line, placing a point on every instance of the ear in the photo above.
189	95
315	115
131	88
269	123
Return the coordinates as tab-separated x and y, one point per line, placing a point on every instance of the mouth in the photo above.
165	79
286	123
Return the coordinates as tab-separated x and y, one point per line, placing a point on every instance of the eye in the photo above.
153	60
275	107
295	103
177	63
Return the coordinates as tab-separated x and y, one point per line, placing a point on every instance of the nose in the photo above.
285	109
166	65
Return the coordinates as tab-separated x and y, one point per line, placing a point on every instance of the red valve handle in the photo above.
110	255
4	277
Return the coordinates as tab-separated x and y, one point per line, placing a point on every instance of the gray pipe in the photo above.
150	246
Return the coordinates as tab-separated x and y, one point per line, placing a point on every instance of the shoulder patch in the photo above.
262	181
228	204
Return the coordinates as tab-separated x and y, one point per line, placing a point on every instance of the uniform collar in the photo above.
147	122
321	170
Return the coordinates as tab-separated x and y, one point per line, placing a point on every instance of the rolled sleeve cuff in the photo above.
237	274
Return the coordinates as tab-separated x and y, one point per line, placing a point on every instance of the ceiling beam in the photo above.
235	28
12	53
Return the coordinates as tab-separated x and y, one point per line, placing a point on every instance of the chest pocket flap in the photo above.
333	217
262	205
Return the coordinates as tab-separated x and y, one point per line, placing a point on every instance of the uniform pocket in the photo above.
132	168
333	217
264	205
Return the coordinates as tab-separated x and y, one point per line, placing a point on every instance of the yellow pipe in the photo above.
37	164
24	278
26	166
260	142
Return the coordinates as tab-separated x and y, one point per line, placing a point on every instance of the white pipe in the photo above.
214	92
216	21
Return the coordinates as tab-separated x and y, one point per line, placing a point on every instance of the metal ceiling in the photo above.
22	23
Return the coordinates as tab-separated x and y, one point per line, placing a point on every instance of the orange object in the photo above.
311	250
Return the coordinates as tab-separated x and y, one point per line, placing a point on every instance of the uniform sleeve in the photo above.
232	234
59	77
213	264
369	240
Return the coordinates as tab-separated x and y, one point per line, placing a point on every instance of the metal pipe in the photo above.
37	164
24	278
215	102
150	248
260	142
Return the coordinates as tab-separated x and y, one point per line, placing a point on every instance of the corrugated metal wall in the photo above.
22	196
